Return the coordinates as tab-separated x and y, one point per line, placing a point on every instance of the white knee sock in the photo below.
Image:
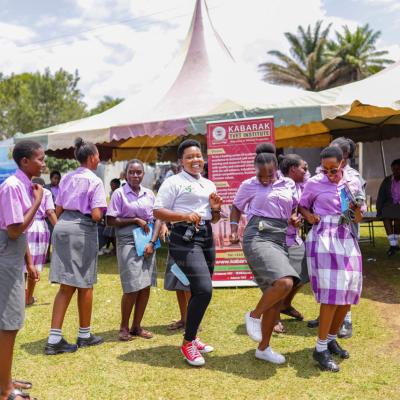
55	336
396	238
392	240
331	338
322	345
347	318
84	333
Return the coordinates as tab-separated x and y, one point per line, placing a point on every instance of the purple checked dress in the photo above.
333	255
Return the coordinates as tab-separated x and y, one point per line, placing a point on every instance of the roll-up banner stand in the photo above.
231	148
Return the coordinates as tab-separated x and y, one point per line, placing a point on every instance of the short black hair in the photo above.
39	181
186	144
83	150
266	148
343	144
54	173
24	149
116	181
331	152
287	161
133	161
395	162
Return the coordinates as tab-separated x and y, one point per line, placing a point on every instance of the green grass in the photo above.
154	369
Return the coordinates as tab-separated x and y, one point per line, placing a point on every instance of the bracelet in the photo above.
218	210
234	223
152	242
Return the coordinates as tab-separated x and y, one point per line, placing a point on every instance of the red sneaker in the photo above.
192	354
203	347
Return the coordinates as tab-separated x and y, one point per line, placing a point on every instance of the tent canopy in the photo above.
202	83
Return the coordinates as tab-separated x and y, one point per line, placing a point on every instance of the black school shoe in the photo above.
392	250
325	361
61	347
314	323
334	348
346	331
92	340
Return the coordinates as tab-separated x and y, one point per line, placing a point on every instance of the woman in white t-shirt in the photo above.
190	202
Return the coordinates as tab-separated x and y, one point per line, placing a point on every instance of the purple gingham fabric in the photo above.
334	262
38	237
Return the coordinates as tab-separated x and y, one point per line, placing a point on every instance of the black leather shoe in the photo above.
93	340
392	250
346	331
325	361
335	348
314	323
61	347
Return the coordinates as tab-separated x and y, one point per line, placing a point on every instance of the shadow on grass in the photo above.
244	364
35	348
293	328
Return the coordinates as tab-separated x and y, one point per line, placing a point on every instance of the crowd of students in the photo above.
276	201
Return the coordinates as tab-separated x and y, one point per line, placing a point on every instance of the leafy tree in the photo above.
307	66
357	54
57	164
317	63
105	104
32	101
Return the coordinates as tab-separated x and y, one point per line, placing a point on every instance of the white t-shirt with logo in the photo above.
185	194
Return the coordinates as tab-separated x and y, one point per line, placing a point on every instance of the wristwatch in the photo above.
152	242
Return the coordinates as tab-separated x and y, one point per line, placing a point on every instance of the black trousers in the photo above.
196	259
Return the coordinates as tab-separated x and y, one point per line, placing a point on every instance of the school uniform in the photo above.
136	272
268	210
183	193
296	247
16	198
75	238
38	234
333	255
388	201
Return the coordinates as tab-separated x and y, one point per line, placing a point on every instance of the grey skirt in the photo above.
12	282
171	282
75	248
264	246
135	272
298	260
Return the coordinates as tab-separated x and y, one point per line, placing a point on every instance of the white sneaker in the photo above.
269	355
253	327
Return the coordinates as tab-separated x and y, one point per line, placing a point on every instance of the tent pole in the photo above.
383	158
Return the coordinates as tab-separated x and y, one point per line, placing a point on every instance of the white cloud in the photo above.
15	33
118	58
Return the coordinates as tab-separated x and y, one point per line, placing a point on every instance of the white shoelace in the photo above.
193	350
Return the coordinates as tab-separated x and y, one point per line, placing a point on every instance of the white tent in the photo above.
202	83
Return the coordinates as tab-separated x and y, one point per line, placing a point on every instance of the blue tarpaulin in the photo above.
7	164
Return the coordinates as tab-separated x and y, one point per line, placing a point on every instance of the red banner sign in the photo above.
231	151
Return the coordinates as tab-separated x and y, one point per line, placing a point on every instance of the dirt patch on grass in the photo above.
387	300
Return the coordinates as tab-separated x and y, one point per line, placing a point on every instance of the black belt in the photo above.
187	224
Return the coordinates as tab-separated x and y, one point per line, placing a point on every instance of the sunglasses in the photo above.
332	171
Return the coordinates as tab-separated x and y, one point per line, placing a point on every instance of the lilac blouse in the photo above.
81	190
125	203
273	201
16	198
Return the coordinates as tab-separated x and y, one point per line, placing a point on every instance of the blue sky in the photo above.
119	45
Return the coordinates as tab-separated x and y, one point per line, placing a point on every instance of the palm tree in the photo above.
307	66
357	53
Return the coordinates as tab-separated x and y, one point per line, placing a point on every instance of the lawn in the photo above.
154	369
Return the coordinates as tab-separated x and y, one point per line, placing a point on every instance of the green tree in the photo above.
307	66
105	104
58	164
357	54
32	101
